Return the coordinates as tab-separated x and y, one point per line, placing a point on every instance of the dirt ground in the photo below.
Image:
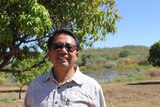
143	94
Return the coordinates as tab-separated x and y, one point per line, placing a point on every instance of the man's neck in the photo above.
62	75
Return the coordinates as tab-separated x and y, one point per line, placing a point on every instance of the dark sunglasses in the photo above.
69	47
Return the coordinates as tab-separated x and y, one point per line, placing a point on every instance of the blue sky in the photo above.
140	24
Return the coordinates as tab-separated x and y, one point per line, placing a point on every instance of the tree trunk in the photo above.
20	91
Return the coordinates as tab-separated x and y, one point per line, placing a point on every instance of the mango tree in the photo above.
25	25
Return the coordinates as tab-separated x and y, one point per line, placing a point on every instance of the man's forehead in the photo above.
63	37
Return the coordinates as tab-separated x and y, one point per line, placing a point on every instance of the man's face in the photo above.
63	52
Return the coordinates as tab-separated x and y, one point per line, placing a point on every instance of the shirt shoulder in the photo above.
90	81
85	80
38	81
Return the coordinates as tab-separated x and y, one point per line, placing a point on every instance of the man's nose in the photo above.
63	50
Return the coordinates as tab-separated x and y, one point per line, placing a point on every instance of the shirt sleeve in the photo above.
100	100
26	99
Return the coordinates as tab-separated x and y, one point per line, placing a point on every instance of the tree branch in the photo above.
27	69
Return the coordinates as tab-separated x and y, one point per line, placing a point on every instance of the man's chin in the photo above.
64	64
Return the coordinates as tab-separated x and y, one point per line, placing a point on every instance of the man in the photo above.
64	85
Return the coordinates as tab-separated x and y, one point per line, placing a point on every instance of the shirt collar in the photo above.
77	77
49	76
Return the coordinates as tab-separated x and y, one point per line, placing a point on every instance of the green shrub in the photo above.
154	57
79	61
110	64
97	60
128	60
143	62
124	53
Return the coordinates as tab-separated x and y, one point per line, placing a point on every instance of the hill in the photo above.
134	50
117	58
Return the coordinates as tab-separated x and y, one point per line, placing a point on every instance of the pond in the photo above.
105	76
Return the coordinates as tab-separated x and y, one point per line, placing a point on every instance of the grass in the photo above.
4	81
7	99
133	78
1	82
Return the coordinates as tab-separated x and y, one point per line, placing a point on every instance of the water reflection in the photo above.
103	76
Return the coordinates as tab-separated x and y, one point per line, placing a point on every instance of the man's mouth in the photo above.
63	58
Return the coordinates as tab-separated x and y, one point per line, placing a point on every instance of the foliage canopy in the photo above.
26	24
154	54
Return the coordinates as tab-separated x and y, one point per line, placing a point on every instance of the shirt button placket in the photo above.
56	97
67	102
58	87
56	102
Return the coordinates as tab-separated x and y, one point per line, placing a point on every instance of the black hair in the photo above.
63	31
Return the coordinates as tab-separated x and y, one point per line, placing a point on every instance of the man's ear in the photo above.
77	54
48	53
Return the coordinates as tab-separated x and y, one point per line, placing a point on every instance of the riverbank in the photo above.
141	94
